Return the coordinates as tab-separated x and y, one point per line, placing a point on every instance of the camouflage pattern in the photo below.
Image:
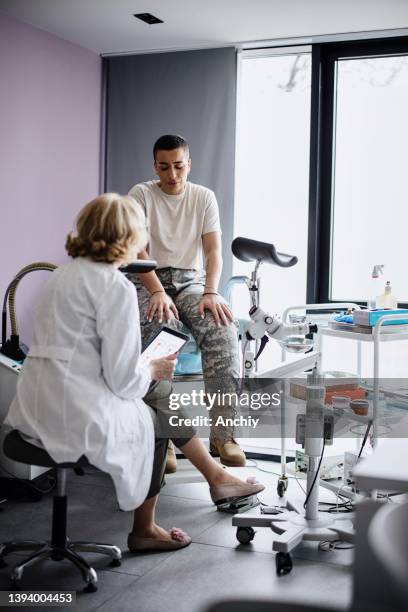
218	345
157	398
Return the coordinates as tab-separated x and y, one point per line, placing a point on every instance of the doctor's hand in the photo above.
218	308
163	368
161	304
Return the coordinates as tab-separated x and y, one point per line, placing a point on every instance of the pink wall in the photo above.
49	150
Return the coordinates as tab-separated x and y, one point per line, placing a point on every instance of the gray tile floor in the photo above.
215	566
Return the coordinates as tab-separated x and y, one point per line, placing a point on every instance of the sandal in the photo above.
179	539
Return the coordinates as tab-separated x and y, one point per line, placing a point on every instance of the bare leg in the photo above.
144	525
199	456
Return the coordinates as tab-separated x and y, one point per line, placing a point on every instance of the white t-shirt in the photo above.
177	223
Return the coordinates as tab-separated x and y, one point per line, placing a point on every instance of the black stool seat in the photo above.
246	249
60	547
18	449
139	267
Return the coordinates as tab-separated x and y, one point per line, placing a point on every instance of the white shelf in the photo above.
384	336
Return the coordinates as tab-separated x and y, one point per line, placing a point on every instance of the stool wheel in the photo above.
245	535
90	588
2	563
284	563
115	563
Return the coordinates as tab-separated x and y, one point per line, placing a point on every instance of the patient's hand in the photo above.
219	309
163	368
161	304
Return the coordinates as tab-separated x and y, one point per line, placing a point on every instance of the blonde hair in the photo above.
110	228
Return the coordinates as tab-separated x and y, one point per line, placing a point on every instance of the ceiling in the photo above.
108	26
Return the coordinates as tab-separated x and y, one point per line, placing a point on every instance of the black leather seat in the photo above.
60	547
247	249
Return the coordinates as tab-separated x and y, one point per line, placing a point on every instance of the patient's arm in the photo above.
149	280
160	303
213	266
213	260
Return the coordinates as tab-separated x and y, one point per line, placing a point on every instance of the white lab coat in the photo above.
80	390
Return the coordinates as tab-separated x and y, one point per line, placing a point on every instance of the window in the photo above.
321	144
358	196
272	170
363	181
272	181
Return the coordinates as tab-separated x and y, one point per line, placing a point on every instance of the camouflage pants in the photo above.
218	345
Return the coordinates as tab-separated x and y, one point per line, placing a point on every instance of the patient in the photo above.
81	389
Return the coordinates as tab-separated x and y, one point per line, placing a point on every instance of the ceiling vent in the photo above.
148	18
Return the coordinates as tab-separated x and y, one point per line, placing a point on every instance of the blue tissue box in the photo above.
370	317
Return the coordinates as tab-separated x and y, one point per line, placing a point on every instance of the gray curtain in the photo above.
191	93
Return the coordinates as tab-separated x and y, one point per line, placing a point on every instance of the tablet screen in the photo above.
165	343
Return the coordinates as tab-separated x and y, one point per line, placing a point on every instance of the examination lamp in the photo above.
17	351
12	348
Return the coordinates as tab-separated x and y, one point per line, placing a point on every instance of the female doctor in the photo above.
80	390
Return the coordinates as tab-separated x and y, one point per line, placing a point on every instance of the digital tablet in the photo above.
166	342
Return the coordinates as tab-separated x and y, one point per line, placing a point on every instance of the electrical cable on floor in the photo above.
294	477
339	508
338	495
298	481
345	506
394	494
335	507
256	466
342	508
328	545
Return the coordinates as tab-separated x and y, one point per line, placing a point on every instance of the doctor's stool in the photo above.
17	449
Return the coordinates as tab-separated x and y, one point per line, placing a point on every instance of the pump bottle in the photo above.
387	299
375	287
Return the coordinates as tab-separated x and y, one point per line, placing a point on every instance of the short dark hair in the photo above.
168	142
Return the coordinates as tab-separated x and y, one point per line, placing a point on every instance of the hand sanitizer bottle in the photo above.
375	287
387	299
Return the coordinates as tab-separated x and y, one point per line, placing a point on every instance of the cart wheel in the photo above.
282	486
90	588
245	535
283	563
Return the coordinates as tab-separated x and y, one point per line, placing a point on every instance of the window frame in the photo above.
322	141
